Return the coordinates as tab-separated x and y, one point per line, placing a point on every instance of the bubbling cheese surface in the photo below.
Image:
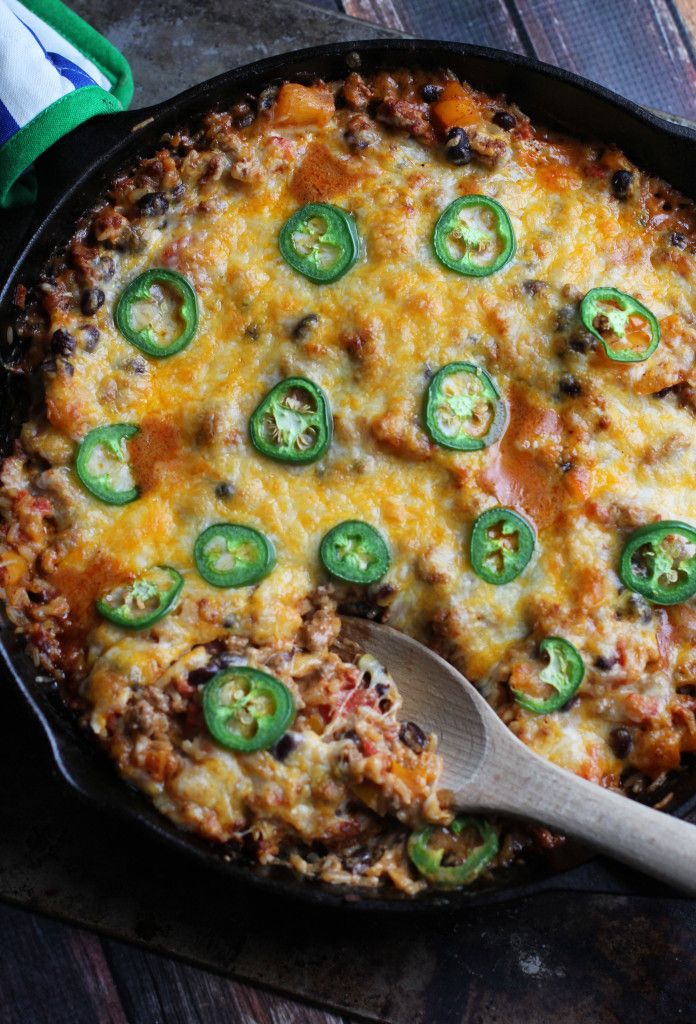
592	448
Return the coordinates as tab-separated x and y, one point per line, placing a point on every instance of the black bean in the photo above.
224	489
305	326
620	741
199	676
676	238
359	860
457	148
91	336
364	610
605	664
243	115
92	300
504	120
570	386
431	93
350	734
582	341
215	647
621	183
413	736
153	204
266	98
62	343
565	317
285	746
136	365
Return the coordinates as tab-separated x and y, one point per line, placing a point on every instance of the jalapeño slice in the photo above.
293	423
320	241
154	306
501	545
626	328
247	710
453	856
144	601
659	562
230	555
474	236
463	408
564	673
102	463
355	552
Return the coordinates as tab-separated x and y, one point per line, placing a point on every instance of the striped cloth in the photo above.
56	71
37	67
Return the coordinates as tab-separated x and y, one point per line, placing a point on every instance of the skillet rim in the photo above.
118	140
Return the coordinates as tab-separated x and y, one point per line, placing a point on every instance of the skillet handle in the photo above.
73	154
59	167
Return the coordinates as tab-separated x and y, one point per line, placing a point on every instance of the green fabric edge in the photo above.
20	151
90	43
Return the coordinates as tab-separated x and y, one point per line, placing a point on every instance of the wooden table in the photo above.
51	973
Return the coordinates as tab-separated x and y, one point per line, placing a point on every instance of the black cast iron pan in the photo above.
72	176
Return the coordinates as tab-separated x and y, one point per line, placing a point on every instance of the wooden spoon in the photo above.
489	770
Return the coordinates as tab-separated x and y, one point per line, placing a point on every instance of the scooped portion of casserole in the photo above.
378	346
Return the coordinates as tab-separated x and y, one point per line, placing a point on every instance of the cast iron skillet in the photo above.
72	176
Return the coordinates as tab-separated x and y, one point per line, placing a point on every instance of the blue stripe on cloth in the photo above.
71	71
8	125
31	32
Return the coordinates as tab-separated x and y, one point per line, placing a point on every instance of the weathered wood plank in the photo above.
154	989
643	51
638	50
488	24
687	10
53	974
334	6
388	13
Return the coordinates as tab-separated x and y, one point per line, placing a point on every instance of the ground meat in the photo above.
412	117
491	144
360	132
113	228
322	629
147	714
356	92
84	258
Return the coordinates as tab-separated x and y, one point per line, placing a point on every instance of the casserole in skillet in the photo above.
380	309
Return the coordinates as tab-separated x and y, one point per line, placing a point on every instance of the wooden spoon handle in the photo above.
649	840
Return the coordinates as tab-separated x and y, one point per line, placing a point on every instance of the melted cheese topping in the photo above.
585	463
